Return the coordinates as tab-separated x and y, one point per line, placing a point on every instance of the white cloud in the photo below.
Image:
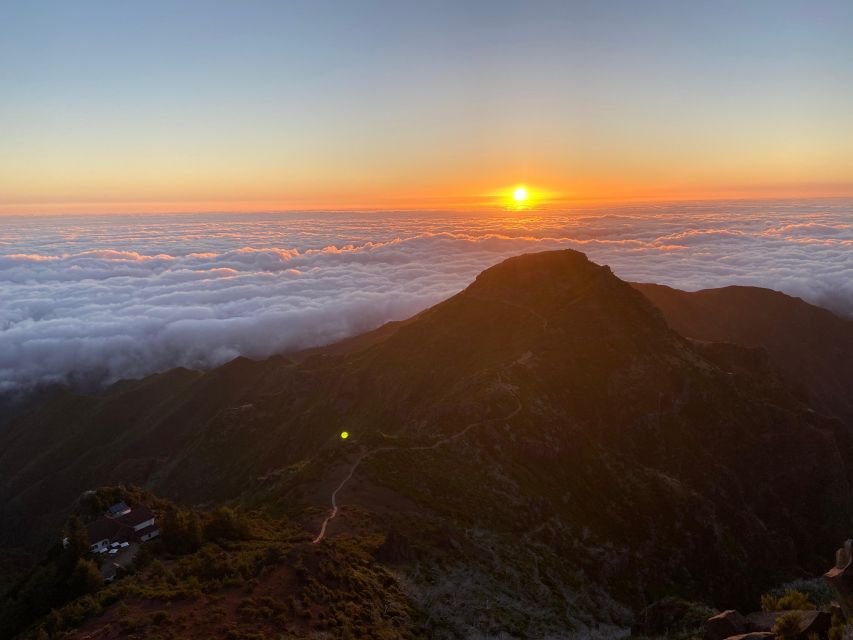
104	298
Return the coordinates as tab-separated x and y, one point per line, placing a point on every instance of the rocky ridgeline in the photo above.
832	623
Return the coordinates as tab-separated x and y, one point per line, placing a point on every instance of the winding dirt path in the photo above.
334	510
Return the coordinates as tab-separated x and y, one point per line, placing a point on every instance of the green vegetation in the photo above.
285	585
837	626
68	584
787	626
252	576
790	600
566	504
66	573
816	590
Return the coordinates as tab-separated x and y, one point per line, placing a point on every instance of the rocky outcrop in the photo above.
725	625
840	578
762	620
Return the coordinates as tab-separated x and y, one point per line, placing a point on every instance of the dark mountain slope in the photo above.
625	427
48	457
699	462
543	437
812	346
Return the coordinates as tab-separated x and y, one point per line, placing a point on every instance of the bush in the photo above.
836	630
817	590
181	531
226	524
787	626
791	600
86	577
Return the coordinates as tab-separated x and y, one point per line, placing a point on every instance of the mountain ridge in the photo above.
638	458
810	345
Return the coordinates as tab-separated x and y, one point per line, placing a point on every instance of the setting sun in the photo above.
520	197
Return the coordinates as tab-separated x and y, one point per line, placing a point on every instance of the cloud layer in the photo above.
103	298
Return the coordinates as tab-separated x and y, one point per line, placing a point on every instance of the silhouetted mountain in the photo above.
812	346
545	453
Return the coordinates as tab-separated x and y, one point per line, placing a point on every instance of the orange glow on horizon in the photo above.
535	198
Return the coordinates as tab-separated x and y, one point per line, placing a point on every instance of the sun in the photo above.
520	197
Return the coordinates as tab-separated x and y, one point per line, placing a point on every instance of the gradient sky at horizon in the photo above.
192	105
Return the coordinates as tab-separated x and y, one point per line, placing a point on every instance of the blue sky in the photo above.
364	101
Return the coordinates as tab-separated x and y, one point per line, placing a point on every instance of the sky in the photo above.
253	106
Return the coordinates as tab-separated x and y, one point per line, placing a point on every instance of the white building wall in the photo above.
100	544
149	535
142	525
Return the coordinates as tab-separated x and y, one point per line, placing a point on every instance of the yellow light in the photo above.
344	435
520	194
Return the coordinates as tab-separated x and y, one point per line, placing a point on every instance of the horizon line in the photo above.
550	206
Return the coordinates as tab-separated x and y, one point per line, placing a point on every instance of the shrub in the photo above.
86	577
787	626
181	531
817	590
836	630
791	600
227	524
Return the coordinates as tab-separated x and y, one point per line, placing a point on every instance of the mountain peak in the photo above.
566	289
560	267
556	311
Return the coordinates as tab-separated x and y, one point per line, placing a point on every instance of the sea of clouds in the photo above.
94	299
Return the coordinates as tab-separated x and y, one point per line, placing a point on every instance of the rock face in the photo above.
762	620
840	578
724	625
815	623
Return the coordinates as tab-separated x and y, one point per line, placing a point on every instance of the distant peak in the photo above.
561	270
545	262
553	284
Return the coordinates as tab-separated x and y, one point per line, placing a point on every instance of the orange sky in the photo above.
150	108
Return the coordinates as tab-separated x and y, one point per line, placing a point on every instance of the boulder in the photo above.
840	578
762	620
815	623
725	625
